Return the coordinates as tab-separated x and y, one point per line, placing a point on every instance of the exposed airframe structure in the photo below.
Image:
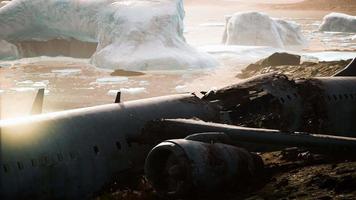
73	154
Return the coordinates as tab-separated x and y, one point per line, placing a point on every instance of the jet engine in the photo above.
178	167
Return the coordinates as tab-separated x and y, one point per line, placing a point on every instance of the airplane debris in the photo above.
276	102
180	167
118	97
350	69
258	140
112	141
77	152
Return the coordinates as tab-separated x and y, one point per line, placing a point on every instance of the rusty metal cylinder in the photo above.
179	167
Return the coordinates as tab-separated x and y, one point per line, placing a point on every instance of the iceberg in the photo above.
258	29
8	51
338	22
130	34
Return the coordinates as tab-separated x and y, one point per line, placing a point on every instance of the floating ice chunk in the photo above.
25	83
23	89
131	34
85	88
144	83
31	84
258	29
112	80
331	55
39	85
131	91
338	22
25	61
113	92
66	72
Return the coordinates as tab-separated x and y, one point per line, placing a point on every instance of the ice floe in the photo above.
33	84
331	55
112	80
144	83
66	72
25	61
23	89
131	91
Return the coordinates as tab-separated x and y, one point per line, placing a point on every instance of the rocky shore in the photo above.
292	66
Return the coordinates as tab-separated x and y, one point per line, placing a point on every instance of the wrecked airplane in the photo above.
180	141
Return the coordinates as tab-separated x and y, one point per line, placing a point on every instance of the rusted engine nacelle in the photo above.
178	167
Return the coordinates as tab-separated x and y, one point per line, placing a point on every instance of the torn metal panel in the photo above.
350	69
318	105
260	102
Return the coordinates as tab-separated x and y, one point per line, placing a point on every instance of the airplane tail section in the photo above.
38	103
350	69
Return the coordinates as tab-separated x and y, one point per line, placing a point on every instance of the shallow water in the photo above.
74	83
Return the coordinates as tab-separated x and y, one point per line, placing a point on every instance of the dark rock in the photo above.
333	166
345	170
328	183
284	182
346	184
278	59
121	72
325	198
323	181
295	69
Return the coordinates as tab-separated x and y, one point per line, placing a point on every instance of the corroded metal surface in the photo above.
199	167
318	105
263	139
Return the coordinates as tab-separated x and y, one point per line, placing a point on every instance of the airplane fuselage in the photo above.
72	154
